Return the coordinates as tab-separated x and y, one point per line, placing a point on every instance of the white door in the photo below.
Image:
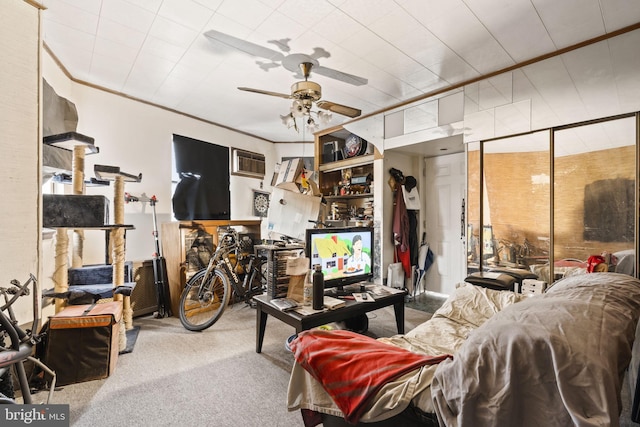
445	190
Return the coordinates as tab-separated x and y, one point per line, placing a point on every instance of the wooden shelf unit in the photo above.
330	173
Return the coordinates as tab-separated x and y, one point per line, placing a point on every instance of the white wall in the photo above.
20	147
138	138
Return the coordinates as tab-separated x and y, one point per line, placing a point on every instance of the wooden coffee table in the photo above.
302	323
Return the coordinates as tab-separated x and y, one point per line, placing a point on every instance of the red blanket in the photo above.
352	367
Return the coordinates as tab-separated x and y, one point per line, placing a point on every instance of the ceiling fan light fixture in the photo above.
312	126
324	117
288	120
298	108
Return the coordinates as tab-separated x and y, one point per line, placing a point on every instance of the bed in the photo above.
561	356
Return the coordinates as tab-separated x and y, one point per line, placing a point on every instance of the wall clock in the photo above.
260	203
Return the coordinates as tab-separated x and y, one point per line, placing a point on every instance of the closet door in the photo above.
509	204
595	194
445	190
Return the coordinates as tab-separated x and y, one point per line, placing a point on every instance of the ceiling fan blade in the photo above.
339	75
265	92
244	46
339	109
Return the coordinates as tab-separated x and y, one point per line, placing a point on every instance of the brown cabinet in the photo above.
176	242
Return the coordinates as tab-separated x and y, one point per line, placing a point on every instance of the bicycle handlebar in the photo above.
17	293
10	326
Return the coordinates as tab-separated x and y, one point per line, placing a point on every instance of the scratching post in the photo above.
117	234
77	180
118	241
61	274
119	251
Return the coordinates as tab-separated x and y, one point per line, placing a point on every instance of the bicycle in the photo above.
209	291
21	343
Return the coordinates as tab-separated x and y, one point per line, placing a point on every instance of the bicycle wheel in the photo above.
203	301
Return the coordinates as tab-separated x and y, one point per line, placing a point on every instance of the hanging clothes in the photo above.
413	236
401	231
412	204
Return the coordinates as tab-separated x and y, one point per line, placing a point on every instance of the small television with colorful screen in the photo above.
345	254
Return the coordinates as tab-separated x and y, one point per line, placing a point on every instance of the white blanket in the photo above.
466	309
553	360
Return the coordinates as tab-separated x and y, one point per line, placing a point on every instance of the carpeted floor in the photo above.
174	377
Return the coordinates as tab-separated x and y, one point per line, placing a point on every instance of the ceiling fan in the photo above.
305	93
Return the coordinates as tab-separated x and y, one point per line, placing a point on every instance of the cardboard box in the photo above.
288	174
83	342
290	213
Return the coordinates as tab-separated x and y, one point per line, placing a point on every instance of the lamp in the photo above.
301	108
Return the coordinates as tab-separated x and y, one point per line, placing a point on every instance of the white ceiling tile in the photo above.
277	26
109	73
472	42
91	6
147	75
73	17
594	78
227	25
396	25
626	67
157	47
199	56
585	20
620	13
423	80
172	32
128	14
365	12
115	51
211	4
76	39
150	5
553	82
119	33
250	13
305	11
186	13
516	26
453	70
337	26
426	11
432	50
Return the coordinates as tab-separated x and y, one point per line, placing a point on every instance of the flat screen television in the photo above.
345	255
